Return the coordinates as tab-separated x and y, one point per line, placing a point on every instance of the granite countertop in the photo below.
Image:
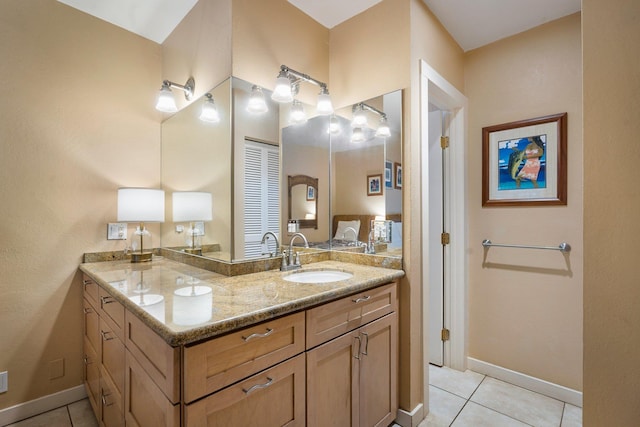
186	304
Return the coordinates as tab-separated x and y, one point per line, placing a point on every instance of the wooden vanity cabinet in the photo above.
352	378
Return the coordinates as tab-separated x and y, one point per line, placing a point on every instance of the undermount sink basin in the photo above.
318	276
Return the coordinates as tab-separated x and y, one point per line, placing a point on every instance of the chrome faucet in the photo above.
265	237
370	247
355	234
293	261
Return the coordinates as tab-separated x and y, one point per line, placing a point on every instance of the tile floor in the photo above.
469	399
456	399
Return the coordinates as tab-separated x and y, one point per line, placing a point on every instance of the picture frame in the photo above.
397	175
311	193
374	185
388	177
524	163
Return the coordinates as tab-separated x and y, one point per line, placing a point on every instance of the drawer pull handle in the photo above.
86	361
364	298
86	282
357	353
252	336
87	310
107	300
104	400
105	337
258	386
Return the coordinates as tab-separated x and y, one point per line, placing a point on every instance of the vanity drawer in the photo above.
111	413
336	318
274	397
217	363
112	358
112	312
91	321
155	356
90	290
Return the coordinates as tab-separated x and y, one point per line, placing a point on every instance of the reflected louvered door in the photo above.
261	196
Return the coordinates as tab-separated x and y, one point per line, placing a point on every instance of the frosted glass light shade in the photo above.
296	114
140	205
357	135
383	130
324	105
359	119
166	102
192	206
257	103
282	92
209	110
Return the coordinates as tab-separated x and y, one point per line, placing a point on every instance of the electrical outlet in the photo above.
4	381
117	231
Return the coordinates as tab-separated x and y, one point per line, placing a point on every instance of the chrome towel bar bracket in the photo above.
562	247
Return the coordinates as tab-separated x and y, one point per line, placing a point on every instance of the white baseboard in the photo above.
410	419
28	409
556	391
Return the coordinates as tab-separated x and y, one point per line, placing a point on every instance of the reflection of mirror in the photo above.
303	200
357	204
198	156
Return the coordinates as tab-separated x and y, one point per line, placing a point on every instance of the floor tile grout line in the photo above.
69	415
506	415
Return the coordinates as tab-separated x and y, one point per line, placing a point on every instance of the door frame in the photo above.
435	89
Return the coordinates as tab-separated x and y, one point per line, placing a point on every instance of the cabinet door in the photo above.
145	404
332	382
275	397
379	372
92	376
111	414
91	321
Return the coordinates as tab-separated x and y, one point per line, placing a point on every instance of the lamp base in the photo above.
141	256
193	251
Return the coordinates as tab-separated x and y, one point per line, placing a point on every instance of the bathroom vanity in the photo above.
167	344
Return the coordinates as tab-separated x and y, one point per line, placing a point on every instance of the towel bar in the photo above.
562	247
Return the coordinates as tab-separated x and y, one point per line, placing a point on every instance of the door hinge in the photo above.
444	238
444	335
444	142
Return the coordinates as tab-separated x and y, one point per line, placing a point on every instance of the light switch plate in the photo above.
4	381
117	231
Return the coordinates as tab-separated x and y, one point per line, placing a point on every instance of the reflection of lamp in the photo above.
191	206
297	115
209	111
334	125
357	135
257	103
140	205
192	305
166	102
287	85
359	120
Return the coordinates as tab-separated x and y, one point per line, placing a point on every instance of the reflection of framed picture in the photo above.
397	173
525	162
311	193
388	180
374	185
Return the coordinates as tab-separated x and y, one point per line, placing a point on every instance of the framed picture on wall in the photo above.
374	185
311	193
388	174
524	163
397	174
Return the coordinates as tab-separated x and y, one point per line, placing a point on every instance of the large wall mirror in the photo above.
246	158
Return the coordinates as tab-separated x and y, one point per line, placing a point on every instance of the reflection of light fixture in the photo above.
360	119
287	84
296	114
140	205
166	102
383	130
357	135
209	111
257	103
191	206
334	125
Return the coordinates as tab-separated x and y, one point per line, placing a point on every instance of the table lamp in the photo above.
140	205
192	206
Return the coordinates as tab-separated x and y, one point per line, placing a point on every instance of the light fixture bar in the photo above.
305	77
188	88
368	107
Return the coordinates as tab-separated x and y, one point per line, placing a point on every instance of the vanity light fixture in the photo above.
287	84
192	206
141	205
334	125
357	135
297	115
209	111
166	102
359	119
257	104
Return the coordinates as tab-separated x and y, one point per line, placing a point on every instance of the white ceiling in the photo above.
472	23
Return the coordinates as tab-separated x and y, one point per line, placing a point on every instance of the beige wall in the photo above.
525	306
76	122
350	171
611	31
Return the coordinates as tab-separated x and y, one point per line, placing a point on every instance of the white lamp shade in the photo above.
282	91
192	206
324	105
166	102
357	135
209	111
140	205
257	103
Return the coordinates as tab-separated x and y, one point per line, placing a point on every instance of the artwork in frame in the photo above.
374	185
397	174
311	193
524	163
388	179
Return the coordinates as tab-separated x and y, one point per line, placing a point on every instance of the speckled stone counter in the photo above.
186	304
